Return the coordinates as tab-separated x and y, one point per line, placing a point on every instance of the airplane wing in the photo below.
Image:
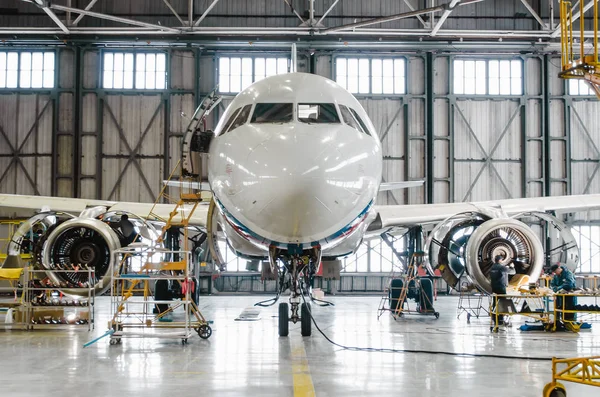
385	186
414	214
76	206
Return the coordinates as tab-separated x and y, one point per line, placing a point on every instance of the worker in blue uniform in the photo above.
499	281
564	280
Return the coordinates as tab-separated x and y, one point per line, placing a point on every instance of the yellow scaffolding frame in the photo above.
585	370
586	67
181	216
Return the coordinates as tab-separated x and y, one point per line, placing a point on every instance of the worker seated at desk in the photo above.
499	280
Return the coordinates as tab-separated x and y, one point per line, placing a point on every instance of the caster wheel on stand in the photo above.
555	390
204	331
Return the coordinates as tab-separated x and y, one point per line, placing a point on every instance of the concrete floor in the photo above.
248	358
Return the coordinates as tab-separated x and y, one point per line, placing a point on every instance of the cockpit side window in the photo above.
318	113
349	119
230	121
362	123
241	118
272	113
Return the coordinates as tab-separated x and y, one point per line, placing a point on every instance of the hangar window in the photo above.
237	73
488	77
579	87
374	256
371	75
27	69
588	240
128	70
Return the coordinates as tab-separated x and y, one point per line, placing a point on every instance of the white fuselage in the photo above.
295	182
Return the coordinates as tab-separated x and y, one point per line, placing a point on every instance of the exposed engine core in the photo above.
466	245
88	242
509	238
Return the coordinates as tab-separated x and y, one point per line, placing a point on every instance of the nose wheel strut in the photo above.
296	310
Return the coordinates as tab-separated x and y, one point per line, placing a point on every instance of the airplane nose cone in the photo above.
303	186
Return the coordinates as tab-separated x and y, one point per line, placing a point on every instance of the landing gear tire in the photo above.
305	320
184	341
284	319
204	331
437	315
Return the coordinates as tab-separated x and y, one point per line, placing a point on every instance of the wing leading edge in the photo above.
76	206
414	214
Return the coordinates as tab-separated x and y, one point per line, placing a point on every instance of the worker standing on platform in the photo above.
499	281
564	280
127	229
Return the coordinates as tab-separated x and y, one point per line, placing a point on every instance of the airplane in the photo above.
295	166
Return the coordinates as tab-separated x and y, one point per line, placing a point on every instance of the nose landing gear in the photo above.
295	273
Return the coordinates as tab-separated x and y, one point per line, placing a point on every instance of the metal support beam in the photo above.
52	16
87	8
328	11
113	18
190	13
576	16
429	127
534	14
382	20
410	6
444	16
168	4
210	7
546	126
311	10
294	11
294	59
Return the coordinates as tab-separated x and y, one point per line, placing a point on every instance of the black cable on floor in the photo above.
417	351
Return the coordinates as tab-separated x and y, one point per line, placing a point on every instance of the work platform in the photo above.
577	63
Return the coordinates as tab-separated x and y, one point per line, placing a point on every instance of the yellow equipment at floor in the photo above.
584	370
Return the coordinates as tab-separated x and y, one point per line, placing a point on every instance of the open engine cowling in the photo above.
509	238
88	242
466	244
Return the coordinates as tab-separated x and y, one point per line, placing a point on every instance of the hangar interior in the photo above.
96	97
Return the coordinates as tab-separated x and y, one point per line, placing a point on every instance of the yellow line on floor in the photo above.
303	386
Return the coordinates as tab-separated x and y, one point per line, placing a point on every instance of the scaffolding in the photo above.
584	66
405	286
166	265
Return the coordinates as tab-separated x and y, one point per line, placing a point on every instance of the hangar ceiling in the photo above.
531	20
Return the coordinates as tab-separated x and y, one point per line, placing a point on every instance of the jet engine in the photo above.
89	242
467	243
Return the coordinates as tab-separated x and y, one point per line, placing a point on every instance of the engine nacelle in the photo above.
466	244
509	238
88	242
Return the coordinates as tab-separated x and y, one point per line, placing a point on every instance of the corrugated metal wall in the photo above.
127	142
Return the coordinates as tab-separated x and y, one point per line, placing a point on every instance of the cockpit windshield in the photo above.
272	113
318	113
